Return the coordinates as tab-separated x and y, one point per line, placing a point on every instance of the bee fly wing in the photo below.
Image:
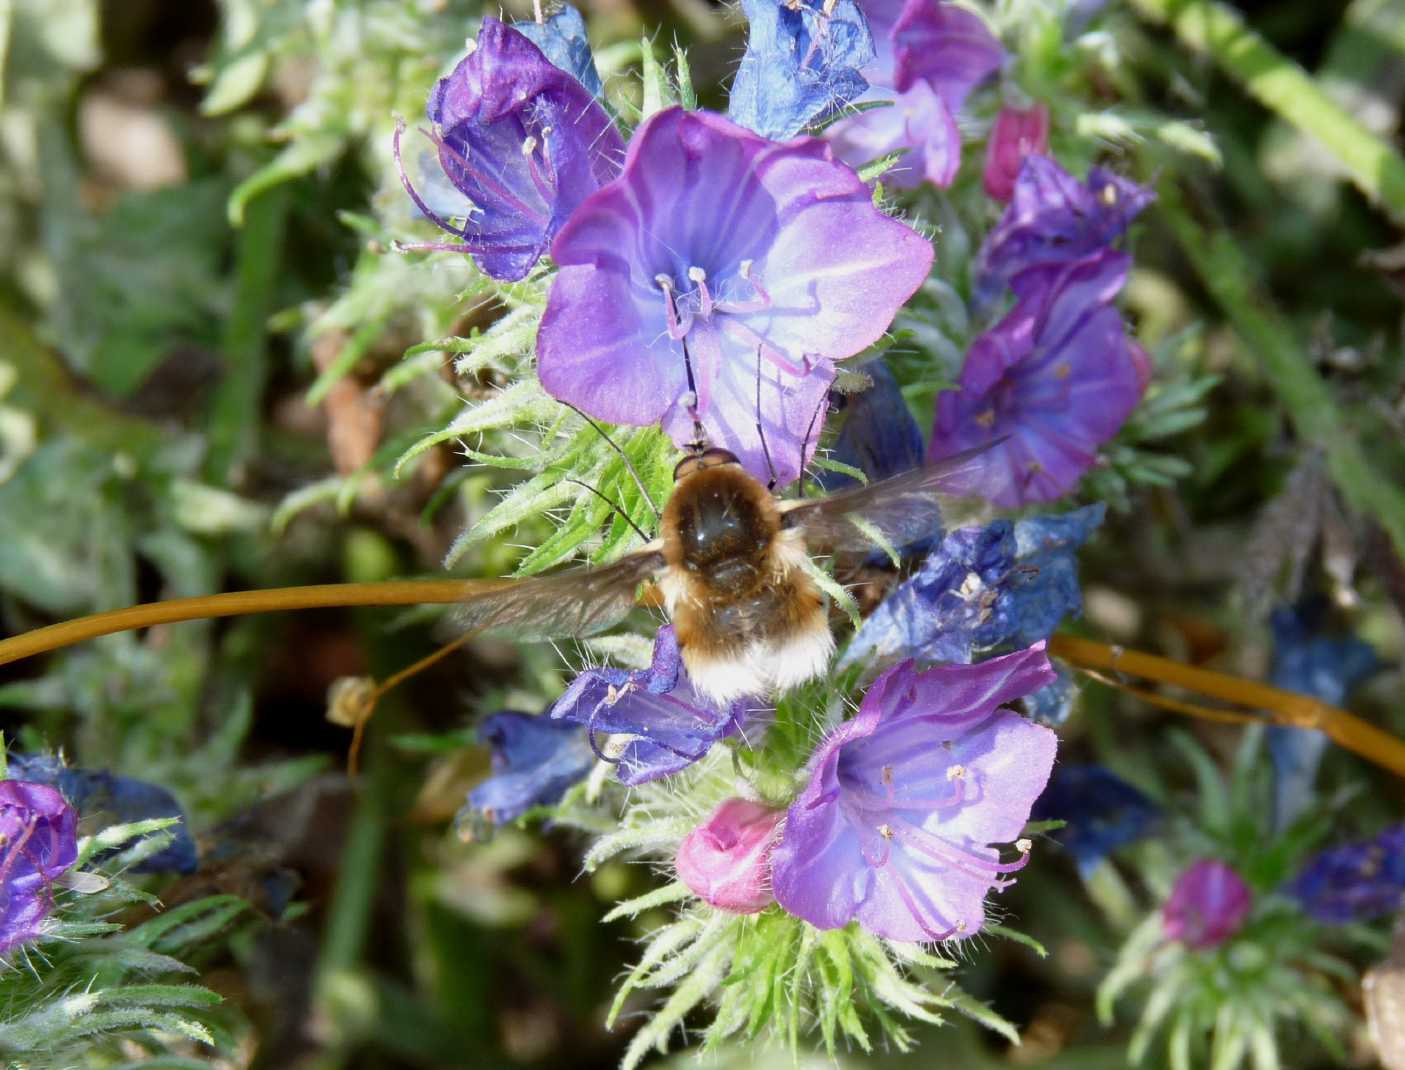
576	602
904	508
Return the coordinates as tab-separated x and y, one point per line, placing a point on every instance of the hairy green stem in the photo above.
1282	86
1227	275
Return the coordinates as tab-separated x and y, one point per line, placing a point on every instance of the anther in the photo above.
955	772
699	276
886	831
1109	194
1023	846
529	145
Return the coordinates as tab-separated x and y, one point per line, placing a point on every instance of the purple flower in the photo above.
1055	219
720	253
726	861
1354	882
1056	378
1018	132
38	843
1310	662
904	801
1207	905
563	40
535	760
801	64
116	800
1103	812
981	588
663	724
928	58
523	141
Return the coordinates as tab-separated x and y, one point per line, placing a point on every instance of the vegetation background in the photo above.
212	368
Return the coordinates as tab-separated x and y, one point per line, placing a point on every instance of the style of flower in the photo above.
535	760
1048	384
113	799
904	801
38	844
801	64
660	724
1007	584
1310	661
523	141
929	55
1354	882
1053	218
726	861
1207	905
1101	810
719	278
1018	132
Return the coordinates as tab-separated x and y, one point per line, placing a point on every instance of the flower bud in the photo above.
1018	132
1207	905
726	861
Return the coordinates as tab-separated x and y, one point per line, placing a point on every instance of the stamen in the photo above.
678	328
940	849
758	303
699	276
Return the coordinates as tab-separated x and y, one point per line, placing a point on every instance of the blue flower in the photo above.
117	800
535	760
523	141
661	723
1326	667
879	438
801	64
1354	882
1103	812
1004	585
563	40
1053	219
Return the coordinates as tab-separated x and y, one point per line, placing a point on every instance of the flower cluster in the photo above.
708	275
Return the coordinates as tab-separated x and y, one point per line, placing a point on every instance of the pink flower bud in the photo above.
1018	132
726	861
1207	905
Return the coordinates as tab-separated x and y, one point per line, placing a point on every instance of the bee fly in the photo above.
729	566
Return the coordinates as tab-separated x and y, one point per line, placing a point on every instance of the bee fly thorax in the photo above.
749	620
717	529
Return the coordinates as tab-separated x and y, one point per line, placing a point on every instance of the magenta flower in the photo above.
747	256
904	801
928	57
1018	132
1056	377
1207	906
38	844
1053	218
726	861
523	141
